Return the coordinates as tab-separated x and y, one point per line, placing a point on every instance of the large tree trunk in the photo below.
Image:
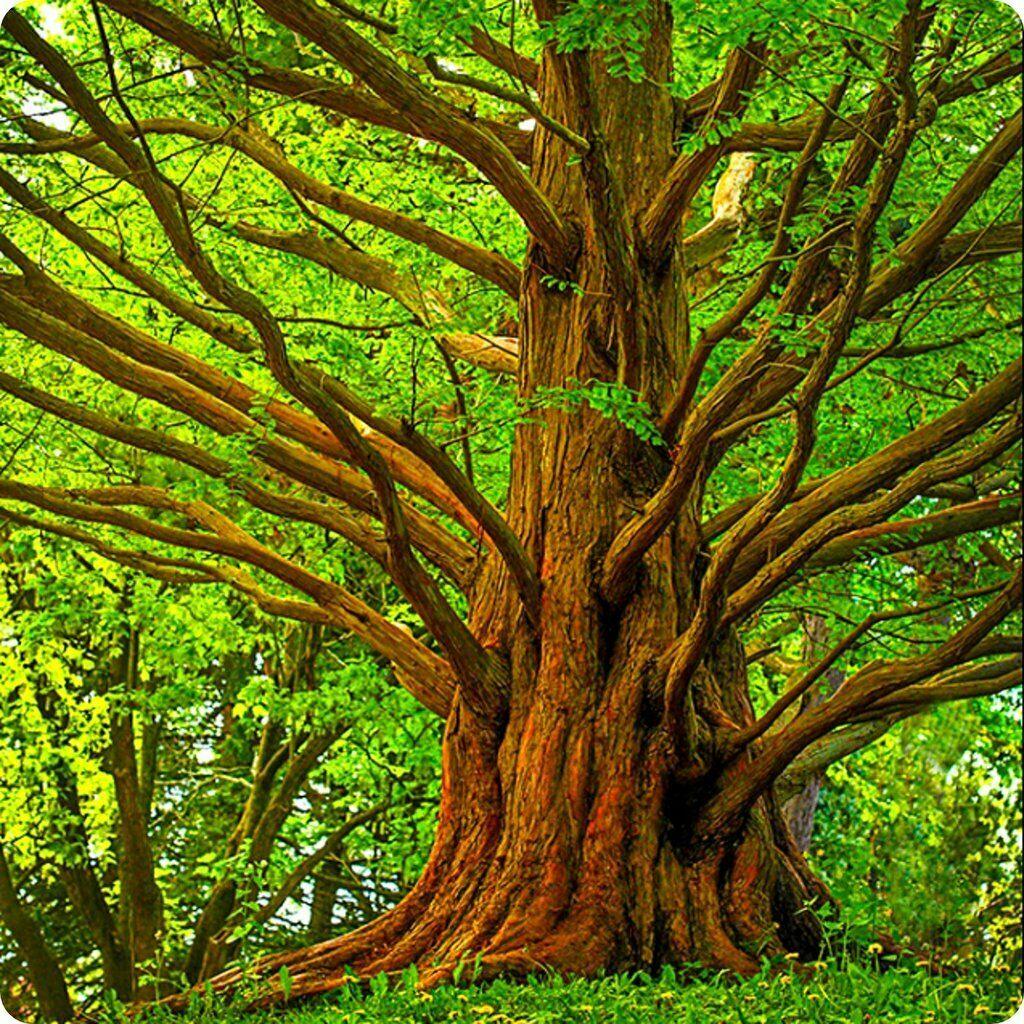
566	837
565	842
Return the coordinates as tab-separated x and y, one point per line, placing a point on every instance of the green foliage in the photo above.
932	808
620	29
559	285
430	26
609	398
210	684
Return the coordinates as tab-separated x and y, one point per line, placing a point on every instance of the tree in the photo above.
610	792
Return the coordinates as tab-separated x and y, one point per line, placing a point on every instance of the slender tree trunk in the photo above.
281	766
799	810
76	869
141	902
44	972
325	896
86	893
566	831
220	903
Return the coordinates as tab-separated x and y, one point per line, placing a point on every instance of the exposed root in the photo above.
469	923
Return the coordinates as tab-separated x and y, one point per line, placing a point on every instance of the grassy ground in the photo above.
851	995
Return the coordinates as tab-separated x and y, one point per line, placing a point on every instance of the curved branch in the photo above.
427	305
856	482
909	534
246	138
683	656
855	517
357	530
736	790
791	136
208	409
348	101
961	684
191	313
47	294
433	117
482	673
660	223
340	608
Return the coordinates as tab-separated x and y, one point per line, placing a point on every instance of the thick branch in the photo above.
44	972
481	672
660	223
428	307
922	531
208	408
349	101
879	470
683	656
46	293
246	138
855	517
873	683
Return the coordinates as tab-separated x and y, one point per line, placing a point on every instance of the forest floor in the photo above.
853	994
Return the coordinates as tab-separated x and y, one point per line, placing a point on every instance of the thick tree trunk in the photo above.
563	843
566	832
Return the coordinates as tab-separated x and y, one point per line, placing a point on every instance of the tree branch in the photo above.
433	117
246	137
430	673
736	789
207	408
856	482
660	223
348	101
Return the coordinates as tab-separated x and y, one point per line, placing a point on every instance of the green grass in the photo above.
851	995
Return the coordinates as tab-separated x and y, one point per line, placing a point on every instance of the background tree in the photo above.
258	766
763	268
